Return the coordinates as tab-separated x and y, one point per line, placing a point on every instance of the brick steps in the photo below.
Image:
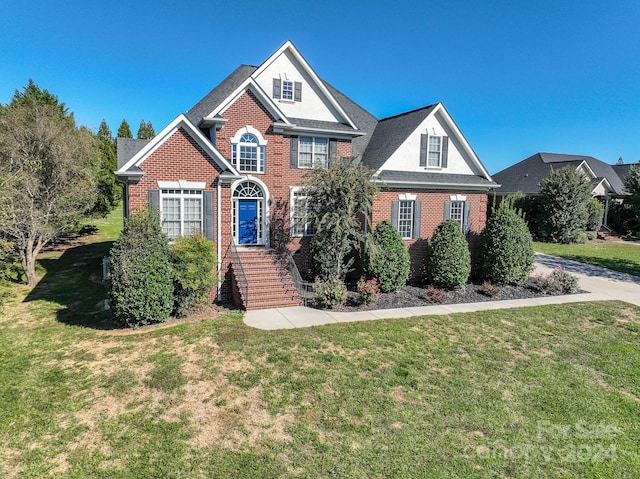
269	283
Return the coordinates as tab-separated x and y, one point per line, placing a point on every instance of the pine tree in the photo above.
109	191
145	131
124	131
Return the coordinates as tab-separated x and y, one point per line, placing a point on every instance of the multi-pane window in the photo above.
313	152
181	212
405	219
248	155
457	212
287	90
435	151
300	225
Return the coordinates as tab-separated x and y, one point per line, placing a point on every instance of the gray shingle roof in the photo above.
526	175
325	125
216	96
127	148
434	179
390	133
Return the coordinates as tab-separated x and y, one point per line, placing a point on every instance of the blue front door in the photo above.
247	221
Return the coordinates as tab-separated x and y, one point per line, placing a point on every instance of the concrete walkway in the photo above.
601	284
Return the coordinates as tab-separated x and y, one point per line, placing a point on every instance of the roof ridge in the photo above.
409	112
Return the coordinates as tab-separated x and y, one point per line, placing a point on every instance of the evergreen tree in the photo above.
564	195
124	131
449	260
387	258
109	191
145	131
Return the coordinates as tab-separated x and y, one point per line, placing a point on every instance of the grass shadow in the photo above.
73	280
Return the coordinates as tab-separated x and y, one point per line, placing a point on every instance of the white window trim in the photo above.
313	150
439	165
411	220
262	148
180	194
293	191
462	208
282	90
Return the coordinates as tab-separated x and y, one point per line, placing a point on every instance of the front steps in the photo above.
267	283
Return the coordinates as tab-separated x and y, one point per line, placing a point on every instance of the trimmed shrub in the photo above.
368	290
141	287
330	293
489	289
387	258
194	264
449	260
564	195
591	235
434	295
595	210
505	248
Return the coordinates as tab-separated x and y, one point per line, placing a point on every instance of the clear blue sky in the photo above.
518	77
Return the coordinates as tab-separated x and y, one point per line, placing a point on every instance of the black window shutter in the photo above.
423	150
276	88
154	202
467	217
208	215
333	151
447	210
297	91
293	163
445	151
395	211
417	210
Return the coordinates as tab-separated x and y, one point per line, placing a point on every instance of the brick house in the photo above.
232	166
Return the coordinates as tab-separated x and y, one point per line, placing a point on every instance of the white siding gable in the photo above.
460	159
314	105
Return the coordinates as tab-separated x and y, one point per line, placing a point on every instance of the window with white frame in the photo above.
248	154
287	90
434	153
405	219
181	212
457	212
300	225
312	152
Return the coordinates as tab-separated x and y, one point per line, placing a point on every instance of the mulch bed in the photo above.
413	295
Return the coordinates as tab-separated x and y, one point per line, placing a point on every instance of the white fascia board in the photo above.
434	186
586	166
288	45
248	84
180	121
606	185
340	134
465	144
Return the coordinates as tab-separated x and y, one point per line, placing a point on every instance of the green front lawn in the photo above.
541	392
618	256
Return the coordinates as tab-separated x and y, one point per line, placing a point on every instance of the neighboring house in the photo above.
232	167
526	176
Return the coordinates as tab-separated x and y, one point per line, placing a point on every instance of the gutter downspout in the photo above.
219	248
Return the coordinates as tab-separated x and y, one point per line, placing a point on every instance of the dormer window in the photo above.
433	151
287	90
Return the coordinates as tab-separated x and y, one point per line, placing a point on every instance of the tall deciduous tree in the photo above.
338	199
563	196
632	185
47	173
124	131
146	131
109	191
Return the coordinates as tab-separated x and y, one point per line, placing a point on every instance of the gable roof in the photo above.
131	167
526	175
390	133
127	148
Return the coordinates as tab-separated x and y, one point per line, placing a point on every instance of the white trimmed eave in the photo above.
248	84
585	166
434	186
128	175
181	121
607	187
292	128
288	45
463	141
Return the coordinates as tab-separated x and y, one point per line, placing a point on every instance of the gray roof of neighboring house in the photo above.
216	96
526	175
127	149
431	178
390	133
